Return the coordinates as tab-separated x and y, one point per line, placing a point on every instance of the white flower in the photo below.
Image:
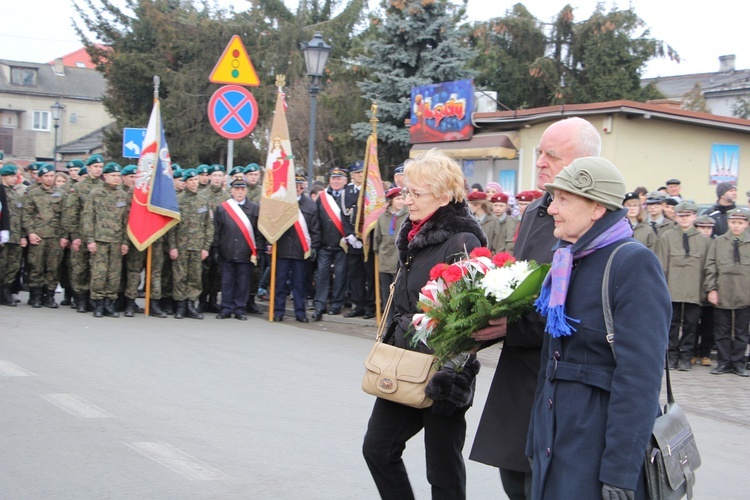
501	281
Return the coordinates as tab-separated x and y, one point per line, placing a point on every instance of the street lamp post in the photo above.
57	109
316	53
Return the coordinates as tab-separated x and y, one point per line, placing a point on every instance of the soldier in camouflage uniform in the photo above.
103	226
11	252
211	276
204	176
42	222
189	245
79	194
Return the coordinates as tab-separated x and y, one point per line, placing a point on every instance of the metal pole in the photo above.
230	154
311	153
54	150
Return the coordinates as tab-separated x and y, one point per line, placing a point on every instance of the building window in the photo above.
23	76
41	121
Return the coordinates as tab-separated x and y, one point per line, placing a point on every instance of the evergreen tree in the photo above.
417	43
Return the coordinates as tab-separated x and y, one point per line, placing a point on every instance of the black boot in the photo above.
192	312
109	308
48	299
202	301
167	305
82	302
67	297
6	297
35	297
119	304
251	307
212	305
98	308
674	358
181	305
129	308
155	309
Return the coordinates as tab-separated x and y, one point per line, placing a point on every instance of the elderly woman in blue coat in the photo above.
596	402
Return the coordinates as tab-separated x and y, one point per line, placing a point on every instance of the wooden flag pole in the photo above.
272	287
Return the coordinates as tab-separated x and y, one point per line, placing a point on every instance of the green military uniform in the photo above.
74	209
193	234
11	252
104	222
42	215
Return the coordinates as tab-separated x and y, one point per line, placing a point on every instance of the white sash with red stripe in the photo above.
239	217
303	233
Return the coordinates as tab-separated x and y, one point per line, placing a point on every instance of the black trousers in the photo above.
294	270
361	281
235	286
704	336
731	336
684	315
391	426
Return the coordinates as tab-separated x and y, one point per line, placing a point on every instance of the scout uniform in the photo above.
11	252
728	276
103	225
42	216
704	338
660	224
507	226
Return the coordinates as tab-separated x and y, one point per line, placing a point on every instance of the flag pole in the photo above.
147	294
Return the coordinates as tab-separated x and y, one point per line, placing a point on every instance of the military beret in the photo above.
252	167
357	166
739	213
176	166
337	172
97	158
477	196
632	195
238	184
34	166
218	168
393	192
201	169
83	172
236	171
705	221
112	168
686	206
723	187
525	196
673	181
655	197
74	164
129	170
45	168
177	173
190	173
499	198
8	169
300	179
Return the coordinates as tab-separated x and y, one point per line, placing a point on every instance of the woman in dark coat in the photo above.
596	403
439	229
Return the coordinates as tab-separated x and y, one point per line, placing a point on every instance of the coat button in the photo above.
550	402
556	356
548	451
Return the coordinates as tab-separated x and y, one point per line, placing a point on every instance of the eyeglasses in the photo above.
414	194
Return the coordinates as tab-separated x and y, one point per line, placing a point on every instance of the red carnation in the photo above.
453	273
480	252
502	258
437	270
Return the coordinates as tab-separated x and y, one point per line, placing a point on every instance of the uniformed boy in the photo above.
728	286
104	229
11	251
704	335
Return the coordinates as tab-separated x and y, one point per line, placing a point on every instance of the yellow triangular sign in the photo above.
234	66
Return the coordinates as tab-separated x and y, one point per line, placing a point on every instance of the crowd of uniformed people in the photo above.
68	230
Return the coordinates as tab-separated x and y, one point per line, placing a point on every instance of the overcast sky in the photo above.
40	30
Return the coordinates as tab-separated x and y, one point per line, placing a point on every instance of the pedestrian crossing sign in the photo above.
234	66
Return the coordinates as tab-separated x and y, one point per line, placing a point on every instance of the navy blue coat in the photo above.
592	416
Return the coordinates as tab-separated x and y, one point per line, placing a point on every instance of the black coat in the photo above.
445	237
719	214
228	237
501	436
330	237
289	246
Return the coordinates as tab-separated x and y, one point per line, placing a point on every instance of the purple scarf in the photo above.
551	301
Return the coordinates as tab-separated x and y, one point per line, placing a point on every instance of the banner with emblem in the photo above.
278	203
153	209
371	204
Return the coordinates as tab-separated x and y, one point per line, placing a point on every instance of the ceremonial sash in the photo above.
238	216
304	235
333	210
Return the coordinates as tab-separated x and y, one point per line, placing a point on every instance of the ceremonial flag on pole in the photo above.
371	203
154	208
278	205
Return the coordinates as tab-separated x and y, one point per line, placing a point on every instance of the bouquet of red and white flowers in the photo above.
463	297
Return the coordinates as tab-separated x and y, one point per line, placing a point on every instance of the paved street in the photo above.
146	408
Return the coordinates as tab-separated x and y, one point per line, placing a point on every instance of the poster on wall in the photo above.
442	112
725	163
